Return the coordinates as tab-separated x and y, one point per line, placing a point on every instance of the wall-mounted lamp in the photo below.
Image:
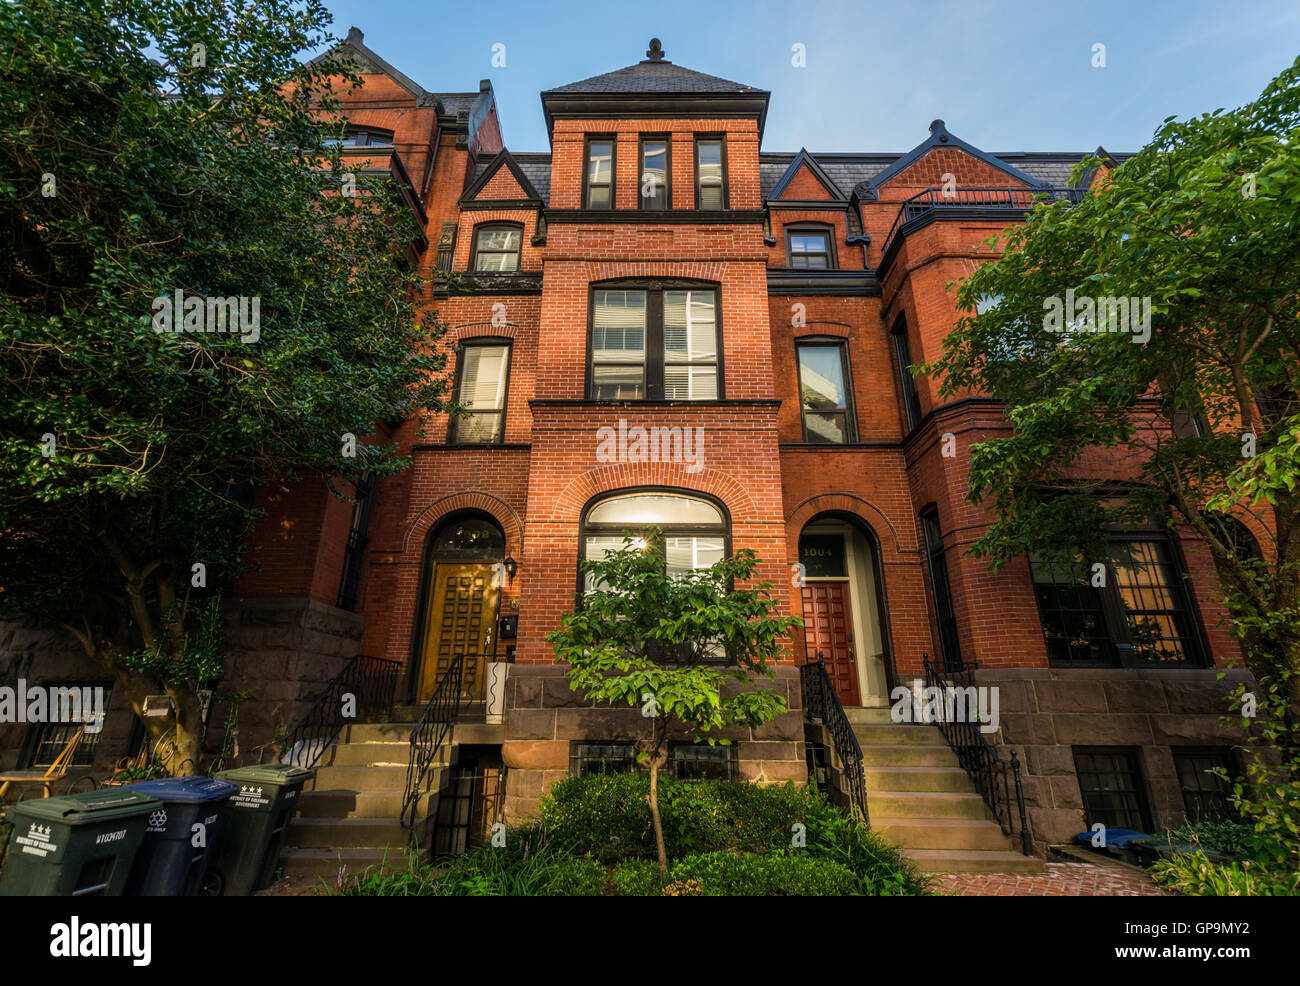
511	565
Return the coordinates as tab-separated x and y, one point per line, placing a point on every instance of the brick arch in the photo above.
848	503
610	479
612	270
811	329
502	512
473	330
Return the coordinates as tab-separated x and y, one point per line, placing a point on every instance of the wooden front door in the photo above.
828	633
462	619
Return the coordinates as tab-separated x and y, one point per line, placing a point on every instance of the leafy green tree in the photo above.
667	643
1202	223
156	149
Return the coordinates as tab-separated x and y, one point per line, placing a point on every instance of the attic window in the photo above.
358	137
809	248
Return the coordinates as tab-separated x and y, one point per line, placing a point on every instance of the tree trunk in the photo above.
654	814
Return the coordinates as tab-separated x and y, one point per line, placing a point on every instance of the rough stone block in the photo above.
536	754
1103	730
530	724
1070	696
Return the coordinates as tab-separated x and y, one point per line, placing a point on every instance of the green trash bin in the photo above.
256	822
75	846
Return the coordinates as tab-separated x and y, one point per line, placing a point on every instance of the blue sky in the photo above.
1004	76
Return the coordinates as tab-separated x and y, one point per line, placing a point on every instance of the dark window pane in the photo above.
654	174
601	758
945	612
1206	792
701	762
1070	609
1111	788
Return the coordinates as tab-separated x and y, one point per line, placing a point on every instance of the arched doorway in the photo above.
845	622
462	593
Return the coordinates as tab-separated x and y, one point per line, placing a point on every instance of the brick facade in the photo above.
538	482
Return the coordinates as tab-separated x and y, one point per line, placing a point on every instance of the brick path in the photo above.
1060	880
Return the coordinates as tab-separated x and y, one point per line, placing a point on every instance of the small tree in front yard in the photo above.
666	643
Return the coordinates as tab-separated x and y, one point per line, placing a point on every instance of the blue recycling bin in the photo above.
179	836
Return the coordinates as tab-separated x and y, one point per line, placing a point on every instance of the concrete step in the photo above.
350	804
869	716
975	861
326	863
358	778
901	755
377	732
898	735
917	779
942	833
354	833
369	753
926	804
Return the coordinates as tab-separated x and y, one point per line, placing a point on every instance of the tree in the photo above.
160	155
667	643
1201	225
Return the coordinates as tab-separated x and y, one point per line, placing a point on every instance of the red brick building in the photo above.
754	313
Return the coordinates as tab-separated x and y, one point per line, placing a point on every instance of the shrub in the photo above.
1195	875
417	879
794	874
1233	838
636	878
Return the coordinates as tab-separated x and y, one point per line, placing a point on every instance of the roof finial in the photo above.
656	52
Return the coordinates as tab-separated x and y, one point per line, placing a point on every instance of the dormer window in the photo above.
809	248
362	137
496	247
710	174
599	181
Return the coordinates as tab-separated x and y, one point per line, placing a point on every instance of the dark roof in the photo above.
654	77
483	174
535	167
846	170
452	102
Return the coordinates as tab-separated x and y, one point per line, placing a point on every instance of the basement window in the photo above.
601	758
1206	792
701	762
1110	783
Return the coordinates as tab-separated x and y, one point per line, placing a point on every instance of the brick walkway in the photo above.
1060	880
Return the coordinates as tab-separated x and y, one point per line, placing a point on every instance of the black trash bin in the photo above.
75	846
256	823
180	835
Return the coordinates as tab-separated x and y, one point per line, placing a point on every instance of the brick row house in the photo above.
657	321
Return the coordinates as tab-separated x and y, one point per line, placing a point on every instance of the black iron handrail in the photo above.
434	728
821	702
365	689
994	777
1001	199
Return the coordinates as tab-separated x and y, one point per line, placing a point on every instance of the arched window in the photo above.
496	248
695	530
469	537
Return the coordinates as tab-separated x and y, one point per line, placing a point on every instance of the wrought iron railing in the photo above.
433	729
997	779
1000	199
821	702
364	690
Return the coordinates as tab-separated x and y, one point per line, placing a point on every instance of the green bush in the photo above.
789	874
636	878
1196	876
594	836
1233	838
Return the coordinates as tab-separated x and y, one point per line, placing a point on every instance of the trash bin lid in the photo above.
186	790
89	808
268	773
1114	837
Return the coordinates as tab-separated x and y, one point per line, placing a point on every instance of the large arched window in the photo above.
695	530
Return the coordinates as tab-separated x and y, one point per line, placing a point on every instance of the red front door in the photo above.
828	633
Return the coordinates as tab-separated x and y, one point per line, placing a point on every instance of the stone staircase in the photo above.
919	798
349	814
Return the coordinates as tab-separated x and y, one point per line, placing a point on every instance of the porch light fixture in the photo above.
510	566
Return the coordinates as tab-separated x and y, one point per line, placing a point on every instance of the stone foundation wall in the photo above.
280	650
543	716
1045	712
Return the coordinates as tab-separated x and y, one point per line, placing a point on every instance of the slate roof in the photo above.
654	77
